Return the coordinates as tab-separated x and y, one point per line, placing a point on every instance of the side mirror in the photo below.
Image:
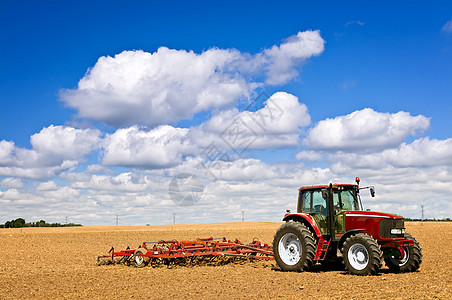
325	194
372	191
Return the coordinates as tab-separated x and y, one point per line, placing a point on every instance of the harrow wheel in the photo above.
140	261
410	258
294	247
362	255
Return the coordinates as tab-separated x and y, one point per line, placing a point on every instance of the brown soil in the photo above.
44	263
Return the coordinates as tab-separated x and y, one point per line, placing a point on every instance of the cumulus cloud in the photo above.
6	152
141	88
124	182
11	183
160	147
54	144
54	148
283	59
308	155
47	186
277	124
420	153
365	131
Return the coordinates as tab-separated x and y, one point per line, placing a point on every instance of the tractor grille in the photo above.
387	224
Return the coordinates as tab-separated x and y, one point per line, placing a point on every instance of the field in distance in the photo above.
61	262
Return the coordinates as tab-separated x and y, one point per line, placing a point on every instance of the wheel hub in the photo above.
290	249
403	258
358	256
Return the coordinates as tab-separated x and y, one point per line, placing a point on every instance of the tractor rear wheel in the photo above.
410	258
140	261
362	255
294	247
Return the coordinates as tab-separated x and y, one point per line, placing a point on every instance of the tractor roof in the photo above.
324	186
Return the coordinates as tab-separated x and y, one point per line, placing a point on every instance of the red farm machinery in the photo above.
330	227
199	251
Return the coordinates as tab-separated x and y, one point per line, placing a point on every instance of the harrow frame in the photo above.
173	252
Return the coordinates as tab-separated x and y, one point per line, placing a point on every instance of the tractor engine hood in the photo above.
370	221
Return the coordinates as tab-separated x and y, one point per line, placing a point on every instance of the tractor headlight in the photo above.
397	231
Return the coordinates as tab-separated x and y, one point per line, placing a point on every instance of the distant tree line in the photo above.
19	223
430	220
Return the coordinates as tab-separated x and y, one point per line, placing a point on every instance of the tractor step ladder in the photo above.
322	248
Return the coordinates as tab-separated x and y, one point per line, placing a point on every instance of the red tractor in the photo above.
331	226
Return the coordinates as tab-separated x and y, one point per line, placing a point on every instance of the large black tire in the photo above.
140	261
294	247
410	260
362	255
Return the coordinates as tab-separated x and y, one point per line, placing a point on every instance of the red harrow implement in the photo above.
200	251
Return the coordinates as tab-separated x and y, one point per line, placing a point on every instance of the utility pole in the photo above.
243	216
117	220
174	218
66	220
422	210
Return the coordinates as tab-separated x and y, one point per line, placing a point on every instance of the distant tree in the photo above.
19	223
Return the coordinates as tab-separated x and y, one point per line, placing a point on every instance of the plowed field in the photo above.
44	263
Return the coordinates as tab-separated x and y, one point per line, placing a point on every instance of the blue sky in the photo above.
365	62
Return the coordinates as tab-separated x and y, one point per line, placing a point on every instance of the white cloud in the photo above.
54	148
54	144
121	183
11	183
47	186
160	147
308	155
448	26
6	152
141	88
419	154
283	59
365	130
137	87
278	124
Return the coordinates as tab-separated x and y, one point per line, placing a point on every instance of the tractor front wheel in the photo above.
294	247
410	258
362	255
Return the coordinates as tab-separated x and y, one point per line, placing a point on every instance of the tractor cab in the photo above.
327	204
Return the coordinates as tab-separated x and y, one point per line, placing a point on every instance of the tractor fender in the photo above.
346	235
307	220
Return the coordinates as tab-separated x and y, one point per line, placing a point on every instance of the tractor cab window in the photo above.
313	202
306	202
319	203
344	200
